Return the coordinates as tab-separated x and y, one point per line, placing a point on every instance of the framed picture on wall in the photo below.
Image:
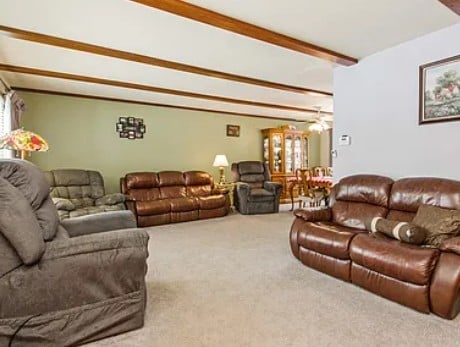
233	130
440	91
131	128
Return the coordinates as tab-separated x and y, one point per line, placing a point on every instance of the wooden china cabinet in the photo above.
285	150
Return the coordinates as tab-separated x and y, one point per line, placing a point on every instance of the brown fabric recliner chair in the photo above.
58	288
254	193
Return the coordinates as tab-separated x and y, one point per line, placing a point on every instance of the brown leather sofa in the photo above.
335	241
173	196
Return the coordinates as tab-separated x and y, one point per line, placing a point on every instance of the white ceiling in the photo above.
352	27
356	28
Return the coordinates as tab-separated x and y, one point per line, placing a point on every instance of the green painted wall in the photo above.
81	134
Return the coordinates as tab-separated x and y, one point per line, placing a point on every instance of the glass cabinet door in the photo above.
277	147
297	152
266	149
305	152
288	153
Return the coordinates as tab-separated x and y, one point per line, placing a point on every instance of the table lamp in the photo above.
23	141
221	160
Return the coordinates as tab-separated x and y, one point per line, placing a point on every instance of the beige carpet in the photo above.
233	282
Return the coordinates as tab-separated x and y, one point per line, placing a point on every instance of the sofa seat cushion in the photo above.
211	202
327	238
407	263
184	204
260	194
152	207
82	202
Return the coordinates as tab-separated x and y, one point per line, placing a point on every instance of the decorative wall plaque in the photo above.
131	128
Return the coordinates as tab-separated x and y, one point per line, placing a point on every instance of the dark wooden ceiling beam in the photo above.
129	85
454	5
203	15
143	59
136	102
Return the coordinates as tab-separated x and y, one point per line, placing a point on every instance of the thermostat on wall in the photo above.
345	140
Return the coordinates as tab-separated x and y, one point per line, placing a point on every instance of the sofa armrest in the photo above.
131	205
451	245
99	222
273	187
110	199
242	186
63	204
242	189
320	215
445	286
217	191
81	270
116	239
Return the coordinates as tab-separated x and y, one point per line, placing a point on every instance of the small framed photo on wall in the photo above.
233	130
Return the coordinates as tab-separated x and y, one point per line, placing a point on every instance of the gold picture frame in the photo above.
233	130
439	93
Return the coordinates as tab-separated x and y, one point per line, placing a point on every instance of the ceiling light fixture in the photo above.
319	124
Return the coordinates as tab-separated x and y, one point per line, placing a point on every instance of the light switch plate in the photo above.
345	140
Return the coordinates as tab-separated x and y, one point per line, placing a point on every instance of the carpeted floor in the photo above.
233	282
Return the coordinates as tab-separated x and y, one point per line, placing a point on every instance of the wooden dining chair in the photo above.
308	194
319	171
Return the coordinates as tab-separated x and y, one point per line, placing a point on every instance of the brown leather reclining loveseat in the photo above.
335	241
173	196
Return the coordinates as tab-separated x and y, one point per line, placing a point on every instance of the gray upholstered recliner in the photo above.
63	287
81	192
254	193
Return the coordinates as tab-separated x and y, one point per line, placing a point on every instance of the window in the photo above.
2	116
5	122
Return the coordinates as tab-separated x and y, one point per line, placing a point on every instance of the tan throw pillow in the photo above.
439	223
401	231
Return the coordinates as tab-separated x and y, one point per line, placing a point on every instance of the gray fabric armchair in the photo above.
63	287
254	193
79	193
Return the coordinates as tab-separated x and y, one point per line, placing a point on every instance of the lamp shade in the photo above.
24	141
220	160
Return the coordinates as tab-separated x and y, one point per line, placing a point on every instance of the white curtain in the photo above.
5	122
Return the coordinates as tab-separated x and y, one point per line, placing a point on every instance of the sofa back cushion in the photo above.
34	187
254	180
81	187
28	216
198	183
19	225
360	197
255	173
250	167
172	184
408	194
141	186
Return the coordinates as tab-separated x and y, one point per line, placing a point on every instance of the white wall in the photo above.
376	103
